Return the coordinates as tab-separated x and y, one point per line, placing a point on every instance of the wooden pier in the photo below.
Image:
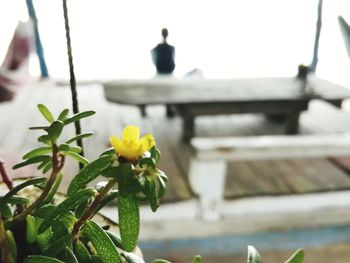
245	178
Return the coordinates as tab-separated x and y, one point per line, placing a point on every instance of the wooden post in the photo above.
38	45
207	180
317	37
292	125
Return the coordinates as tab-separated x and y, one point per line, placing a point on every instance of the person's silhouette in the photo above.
163	55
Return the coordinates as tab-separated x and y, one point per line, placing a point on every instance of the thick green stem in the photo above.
90	211
56	168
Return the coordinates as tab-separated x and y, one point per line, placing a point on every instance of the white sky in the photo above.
224	38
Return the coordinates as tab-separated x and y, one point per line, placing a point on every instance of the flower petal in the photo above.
147	142
131	133
116	143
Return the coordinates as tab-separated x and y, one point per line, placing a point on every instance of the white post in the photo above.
207	180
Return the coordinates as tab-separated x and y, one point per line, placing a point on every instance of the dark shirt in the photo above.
163	58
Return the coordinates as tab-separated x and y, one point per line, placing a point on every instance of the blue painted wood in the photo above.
272	240
38	45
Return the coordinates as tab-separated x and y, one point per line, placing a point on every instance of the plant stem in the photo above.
56	168
90	211
5	177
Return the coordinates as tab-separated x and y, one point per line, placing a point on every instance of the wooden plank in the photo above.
333	177
271	147
177	187
268	173
183	91
240	181
312	173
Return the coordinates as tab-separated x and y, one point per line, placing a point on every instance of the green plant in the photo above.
44	230
254	256
66	231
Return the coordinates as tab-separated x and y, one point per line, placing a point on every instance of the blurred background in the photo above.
225	39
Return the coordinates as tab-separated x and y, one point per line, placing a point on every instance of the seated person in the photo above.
163	58
163	55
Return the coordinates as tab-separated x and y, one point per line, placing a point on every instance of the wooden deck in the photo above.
253	178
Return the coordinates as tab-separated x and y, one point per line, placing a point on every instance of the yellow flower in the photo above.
131	146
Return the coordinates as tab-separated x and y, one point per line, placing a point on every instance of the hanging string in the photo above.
72	77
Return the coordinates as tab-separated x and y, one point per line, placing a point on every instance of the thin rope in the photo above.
72	77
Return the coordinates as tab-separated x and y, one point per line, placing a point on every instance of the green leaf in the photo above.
101	242
43	240
132	258
126	179
81	208
197	259
80	136
155	154
297	257
88	173
96	259
12	244
153	198
47	167
39	127
43	164
253	255
18	200
151	193
37	152
63	147
55	130
36	159
78	116
111	172
76	157
5	248
44	210
114	194
162	186
81	252
68	256
41	259
67	220
129	221
63	115
58	230
45	112
148	162
53	189
68	204
31	229
116	240
17	188
75	149
58	245
45	139
109	151
161	261
5	210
